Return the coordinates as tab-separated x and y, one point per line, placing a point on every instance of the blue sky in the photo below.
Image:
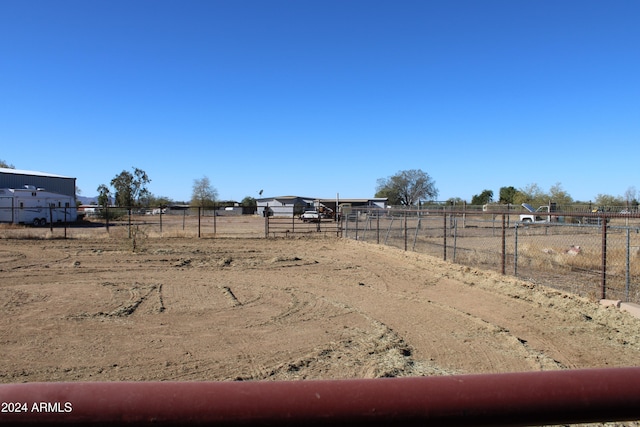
315	97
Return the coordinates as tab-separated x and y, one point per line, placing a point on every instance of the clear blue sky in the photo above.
320	97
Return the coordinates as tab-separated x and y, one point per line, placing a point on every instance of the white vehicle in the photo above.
537	215
35	206
310	216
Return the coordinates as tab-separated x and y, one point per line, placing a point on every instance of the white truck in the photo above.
311	216
542	214
35	206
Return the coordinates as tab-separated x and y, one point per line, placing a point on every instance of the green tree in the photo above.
248	202
103	195
607	200
455	201
131	187
407	187
483	198
508	195
203	194
4	164
154	200
532	194
559	196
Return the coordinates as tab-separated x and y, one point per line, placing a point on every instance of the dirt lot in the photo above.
91	309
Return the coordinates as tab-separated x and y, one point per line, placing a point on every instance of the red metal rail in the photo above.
556	397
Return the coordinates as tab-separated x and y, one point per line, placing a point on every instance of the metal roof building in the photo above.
295	205
16	178
284	205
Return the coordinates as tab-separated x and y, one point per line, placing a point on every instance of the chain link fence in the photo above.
595	255
186	221
282	226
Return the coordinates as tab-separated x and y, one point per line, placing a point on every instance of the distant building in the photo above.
295	205
18	179
284	205
370	203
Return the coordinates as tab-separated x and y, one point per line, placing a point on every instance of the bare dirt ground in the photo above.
91	309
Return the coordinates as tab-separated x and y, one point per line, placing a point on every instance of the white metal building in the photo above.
284	205
295	205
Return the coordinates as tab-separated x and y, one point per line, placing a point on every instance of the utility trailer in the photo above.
35	206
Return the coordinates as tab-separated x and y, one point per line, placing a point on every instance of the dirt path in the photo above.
230	309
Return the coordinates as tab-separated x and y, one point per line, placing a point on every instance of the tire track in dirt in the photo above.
283	309
554	328
483	344
10	257
540	327
26	262
486	356
373	352
231	296
127	306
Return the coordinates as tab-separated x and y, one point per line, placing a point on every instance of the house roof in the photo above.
285	198
324	200
344	200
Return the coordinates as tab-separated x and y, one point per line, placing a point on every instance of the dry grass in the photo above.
16	231
549	258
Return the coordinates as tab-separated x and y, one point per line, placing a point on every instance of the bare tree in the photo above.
204	194
631	196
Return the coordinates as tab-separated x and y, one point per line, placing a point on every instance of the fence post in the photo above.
444	232
415	235
215	227
199	220
405	230
357	216
345	220
504	245
266	225
389	229
378	228
50	218
129	221
455	237
464	214
628	266
603	279
65	223
515	252
106	216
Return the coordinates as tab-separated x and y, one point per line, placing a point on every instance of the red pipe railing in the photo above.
532	398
